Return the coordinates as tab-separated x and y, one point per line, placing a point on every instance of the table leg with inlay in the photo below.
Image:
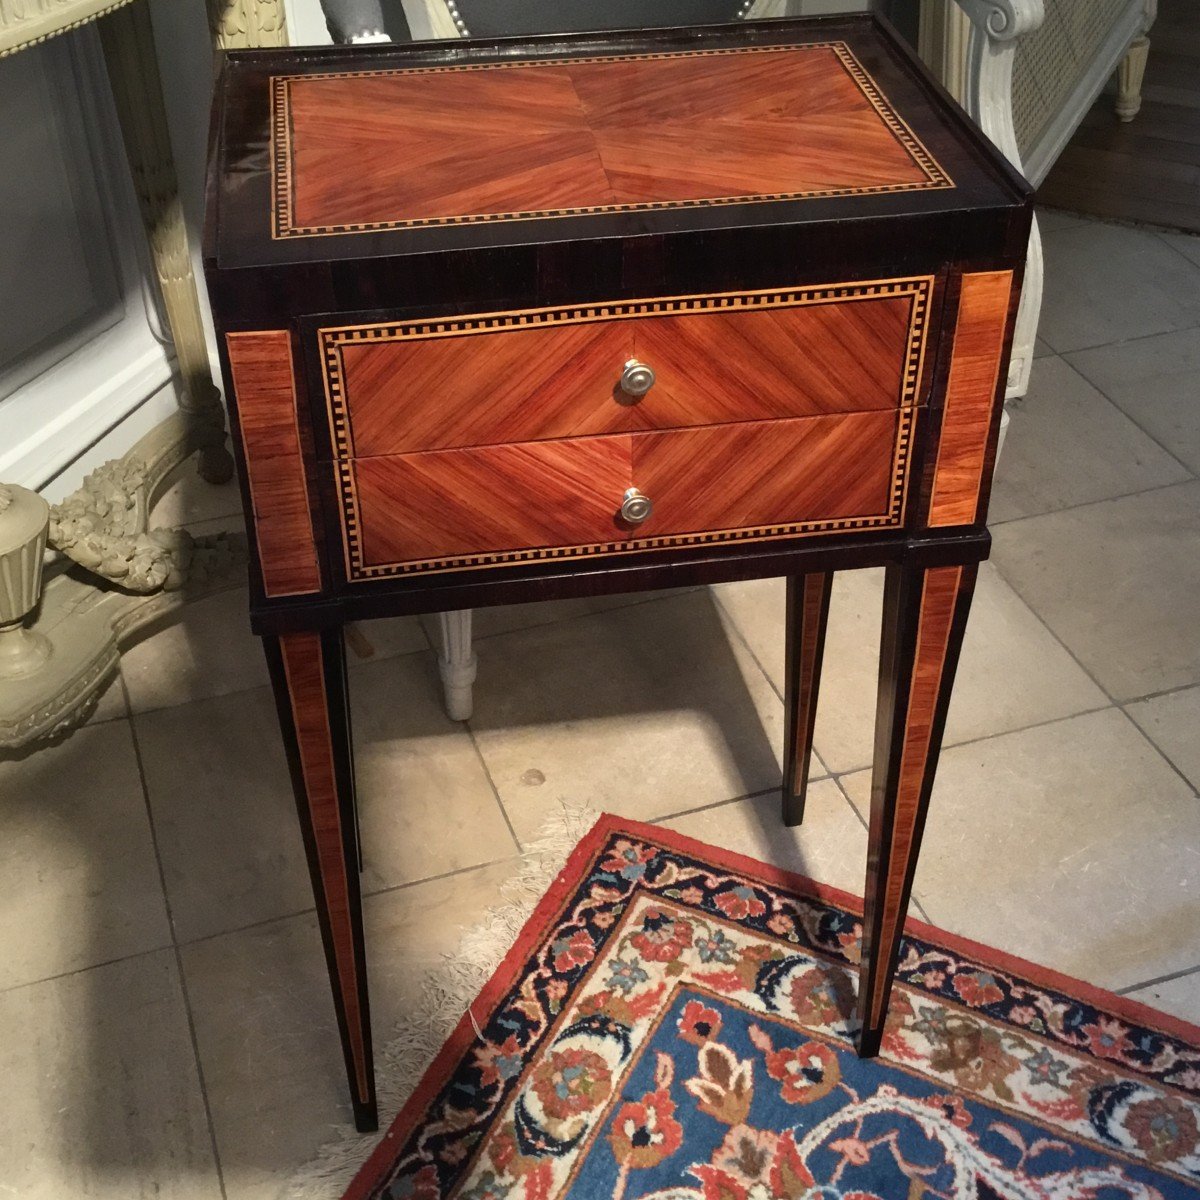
924	617
308	675
806	618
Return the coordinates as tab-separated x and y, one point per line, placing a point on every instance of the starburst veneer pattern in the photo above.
363	151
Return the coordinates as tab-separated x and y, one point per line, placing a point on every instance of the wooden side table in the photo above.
519	320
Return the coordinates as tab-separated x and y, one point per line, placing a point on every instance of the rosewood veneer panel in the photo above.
492	504
972	395
516	386
766	473
787	122
261	366
459	502
783	362
354	151
523	376
369	150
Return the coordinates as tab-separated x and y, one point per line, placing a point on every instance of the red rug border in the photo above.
568	878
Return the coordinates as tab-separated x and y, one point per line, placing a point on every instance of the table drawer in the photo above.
449	509
557	373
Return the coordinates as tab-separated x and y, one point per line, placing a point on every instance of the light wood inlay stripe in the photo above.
970	397
938	599
261	365
303	664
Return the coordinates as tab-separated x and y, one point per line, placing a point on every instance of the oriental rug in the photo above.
674	1022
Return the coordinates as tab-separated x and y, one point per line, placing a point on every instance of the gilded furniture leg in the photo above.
807	616
924	616
308	674
1131	71
128	41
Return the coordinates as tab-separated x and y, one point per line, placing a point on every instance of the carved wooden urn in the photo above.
24	521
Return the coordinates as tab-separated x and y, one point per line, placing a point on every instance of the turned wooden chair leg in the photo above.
807	616
924	616
1131	73
308	675
457	664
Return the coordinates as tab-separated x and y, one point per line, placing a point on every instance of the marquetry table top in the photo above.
445	146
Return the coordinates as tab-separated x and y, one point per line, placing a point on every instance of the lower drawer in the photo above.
449	509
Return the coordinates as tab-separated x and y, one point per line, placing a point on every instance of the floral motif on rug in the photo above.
675	1022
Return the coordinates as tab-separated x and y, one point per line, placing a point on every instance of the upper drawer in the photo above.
405	386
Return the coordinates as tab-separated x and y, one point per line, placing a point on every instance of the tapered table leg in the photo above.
308	673
924	616
807	616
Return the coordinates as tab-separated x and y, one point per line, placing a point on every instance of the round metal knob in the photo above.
637	378
635	507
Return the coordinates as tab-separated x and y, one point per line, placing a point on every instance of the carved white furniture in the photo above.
22	544
105	527
1029	71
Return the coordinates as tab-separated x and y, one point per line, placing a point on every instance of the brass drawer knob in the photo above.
637	378
635	507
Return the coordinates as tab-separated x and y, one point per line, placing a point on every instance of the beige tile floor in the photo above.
165	1028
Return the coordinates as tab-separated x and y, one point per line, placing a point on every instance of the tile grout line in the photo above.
1053	512
1171	691
1161	752
837	779
392	888
108	962
1119	705
741	637
1168	978
311	909
1037	616
737	632
1141	337
1171	246
699	808
279	918
1128	415
987	737
913	899
183	987
512	833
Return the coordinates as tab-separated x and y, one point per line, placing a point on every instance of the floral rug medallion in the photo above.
674	1023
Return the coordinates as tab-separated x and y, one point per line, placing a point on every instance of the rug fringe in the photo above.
446	993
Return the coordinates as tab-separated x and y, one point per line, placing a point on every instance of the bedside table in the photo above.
511	320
